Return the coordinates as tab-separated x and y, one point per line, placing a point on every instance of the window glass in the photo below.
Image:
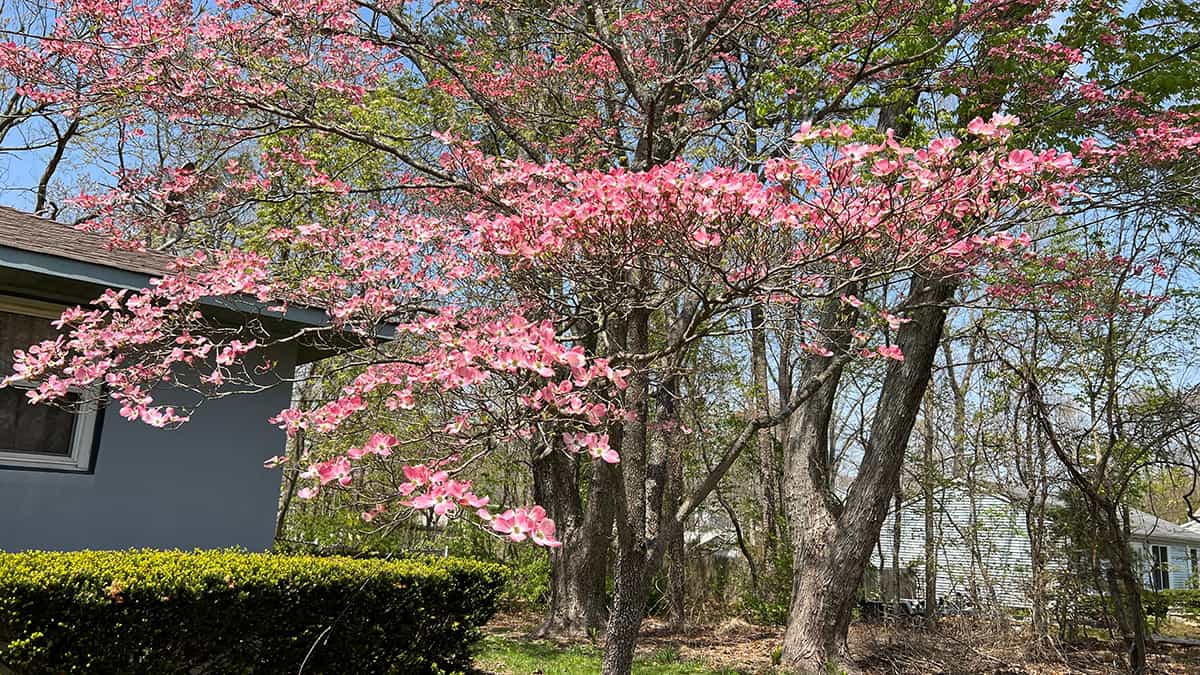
1160	574
41	429
47	436
18	331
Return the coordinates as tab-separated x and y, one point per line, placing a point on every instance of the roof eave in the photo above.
75	270
99	277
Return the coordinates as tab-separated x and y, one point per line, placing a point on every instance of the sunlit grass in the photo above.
511	657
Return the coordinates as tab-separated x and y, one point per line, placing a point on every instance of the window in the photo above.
1160	574
1193	567
39	436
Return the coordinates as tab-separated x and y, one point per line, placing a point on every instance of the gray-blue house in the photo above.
94	480
983	549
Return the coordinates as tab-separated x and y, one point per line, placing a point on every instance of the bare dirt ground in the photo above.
957	645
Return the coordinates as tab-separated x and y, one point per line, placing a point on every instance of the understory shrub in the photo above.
233	612
1182	601
1156	605
1094	610
530	582
768	604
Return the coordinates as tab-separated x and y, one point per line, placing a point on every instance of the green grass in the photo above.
512	657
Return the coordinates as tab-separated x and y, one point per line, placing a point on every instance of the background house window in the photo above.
1193	567
39	436
1160	574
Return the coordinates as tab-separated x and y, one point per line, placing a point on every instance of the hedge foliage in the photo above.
1182	601
233	612
1158	606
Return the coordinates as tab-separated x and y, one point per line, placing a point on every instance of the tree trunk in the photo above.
972	537
630	583
897	534
819	615
577	575
677	589
292	473
833	539
767	465
292	469
1113	523
1130	614
669	396
1035	520
649	483
812	635
578	569
928	476
625	620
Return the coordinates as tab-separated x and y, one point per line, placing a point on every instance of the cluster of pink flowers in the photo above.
524	523
594	444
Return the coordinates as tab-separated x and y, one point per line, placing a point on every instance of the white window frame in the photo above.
83	432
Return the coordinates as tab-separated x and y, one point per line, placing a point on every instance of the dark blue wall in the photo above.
200	486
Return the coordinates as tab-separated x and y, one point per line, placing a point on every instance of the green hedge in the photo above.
232	612
1182	601
1155	604
1094	610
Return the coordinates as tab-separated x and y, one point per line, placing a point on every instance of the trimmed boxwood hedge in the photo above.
233	612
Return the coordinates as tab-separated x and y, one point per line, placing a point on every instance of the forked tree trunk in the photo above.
822	598
833	538
577	606
813	634
578	569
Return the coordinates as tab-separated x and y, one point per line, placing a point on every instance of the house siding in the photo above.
199	486
1178	563
999	572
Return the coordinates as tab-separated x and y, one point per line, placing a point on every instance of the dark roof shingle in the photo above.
27	232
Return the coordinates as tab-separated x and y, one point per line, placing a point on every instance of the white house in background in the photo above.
1192	525
999	572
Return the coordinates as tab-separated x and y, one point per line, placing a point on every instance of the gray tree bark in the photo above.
767	464
928	476
833	539
578	569
630	582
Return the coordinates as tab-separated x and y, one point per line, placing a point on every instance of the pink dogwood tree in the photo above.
564	201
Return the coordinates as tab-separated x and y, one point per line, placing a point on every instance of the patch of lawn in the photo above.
512	657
